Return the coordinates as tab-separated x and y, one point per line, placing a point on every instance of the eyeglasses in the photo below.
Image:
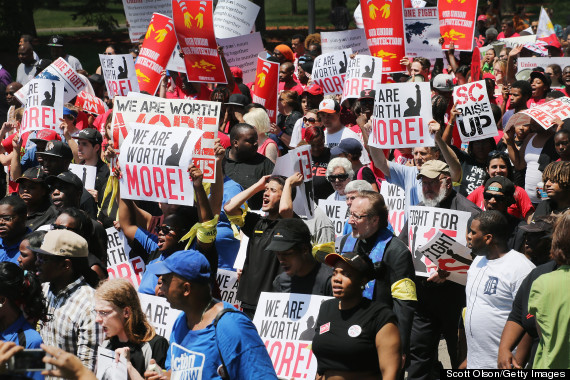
61	227
337	177
310	120
498	197
101	313
6	218
10	92
165	229
356	216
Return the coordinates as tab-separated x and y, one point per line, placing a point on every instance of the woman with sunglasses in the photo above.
320	155
126	328
339	174
260	120
499	164
355	338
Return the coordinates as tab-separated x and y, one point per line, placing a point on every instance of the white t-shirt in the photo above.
296	135
73	62
333	139
491	289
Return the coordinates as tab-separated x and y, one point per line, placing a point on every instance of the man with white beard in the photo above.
439	302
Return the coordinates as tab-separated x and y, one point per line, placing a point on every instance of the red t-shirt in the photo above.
502	35
297	88
519	209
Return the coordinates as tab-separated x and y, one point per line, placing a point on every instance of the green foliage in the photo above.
96	12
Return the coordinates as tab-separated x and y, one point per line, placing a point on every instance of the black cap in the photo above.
67	177
238	100
33	174
542	76
507	186
90	134
361	263
56	40
367	94
541	224
348	145
57	149
287	233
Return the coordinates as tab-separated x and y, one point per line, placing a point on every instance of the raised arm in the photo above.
448	154
515	154
217	188
376	154
233	207
511	67
227	71
286	202
449	54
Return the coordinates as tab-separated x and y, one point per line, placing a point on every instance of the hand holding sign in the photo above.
196	176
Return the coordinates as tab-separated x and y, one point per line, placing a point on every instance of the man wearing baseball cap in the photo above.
291	242
30	158
89	153
57	50
224	338
68	288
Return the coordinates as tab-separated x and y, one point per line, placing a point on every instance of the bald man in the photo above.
287	81
27	68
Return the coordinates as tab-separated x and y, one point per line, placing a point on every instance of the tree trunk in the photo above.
260	20
294	7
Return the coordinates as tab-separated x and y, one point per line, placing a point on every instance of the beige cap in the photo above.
63	243
433	168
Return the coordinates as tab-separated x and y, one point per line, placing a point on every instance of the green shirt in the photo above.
549	301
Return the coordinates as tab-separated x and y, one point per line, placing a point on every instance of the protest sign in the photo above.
228	282
90	103
545	113
476	65
544	62
299	160
159	41
86	173
511	42
119	73
457	23
476	121
336	212
329	71
154	163
357	18
139	13
159	313
171	113
234	18
120	264
286	324
424	223
401	115
363	72
44	105
194	25
395	199
448	255
176	62
384	26
242	52
108	368
422	33
354	39
265	90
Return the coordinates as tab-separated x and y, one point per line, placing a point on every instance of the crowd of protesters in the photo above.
513	311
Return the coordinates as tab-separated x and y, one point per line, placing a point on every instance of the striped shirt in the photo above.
72	326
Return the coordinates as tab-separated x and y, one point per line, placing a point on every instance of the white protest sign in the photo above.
242	51
395	200
354	39
329	71
139	13
154	164
544	62
546	113
476	121
108	368
159	313
44	105
286	324
234	18
176	62
86	173
119	73
424	222
448	255
195	114
401	115
60	70
421	27
511	42
363	72
358	17
336	212
120	264
228	282
299	160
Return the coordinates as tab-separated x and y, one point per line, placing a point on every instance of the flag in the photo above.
545	30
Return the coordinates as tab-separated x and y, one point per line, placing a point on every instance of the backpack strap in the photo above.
222	369
21	338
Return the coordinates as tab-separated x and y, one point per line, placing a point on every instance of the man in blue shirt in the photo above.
203	344
12	227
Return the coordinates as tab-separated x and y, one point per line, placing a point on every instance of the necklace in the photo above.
208	306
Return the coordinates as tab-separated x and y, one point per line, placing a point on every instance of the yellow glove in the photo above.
385	10
199	20
372	11
261	80
149	31
187	20
160	35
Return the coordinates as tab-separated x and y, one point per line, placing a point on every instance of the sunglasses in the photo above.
165	229
310	120
338	177
498	197
60	227
10	92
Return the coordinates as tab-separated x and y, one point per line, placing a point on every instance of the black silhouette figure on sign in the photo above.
414	107
123	71
176	153
49	101
84	175
419	265
342	64
309	333
458	258
367	72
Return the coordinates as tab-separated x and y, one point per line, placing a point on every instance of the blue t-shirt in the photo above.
9	253
33	339
226	244
406	177
196	352
149	243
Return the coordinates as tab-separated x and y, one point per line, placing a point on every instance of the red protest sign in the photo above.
194	25
158	44
384	26
476	65
265	88
545	113
90	103
457	23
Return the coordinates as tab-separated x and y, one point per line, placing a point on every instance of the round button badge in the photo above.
354	331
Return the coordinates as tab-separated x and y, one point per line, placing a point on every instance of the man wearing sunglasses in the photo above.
12	227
